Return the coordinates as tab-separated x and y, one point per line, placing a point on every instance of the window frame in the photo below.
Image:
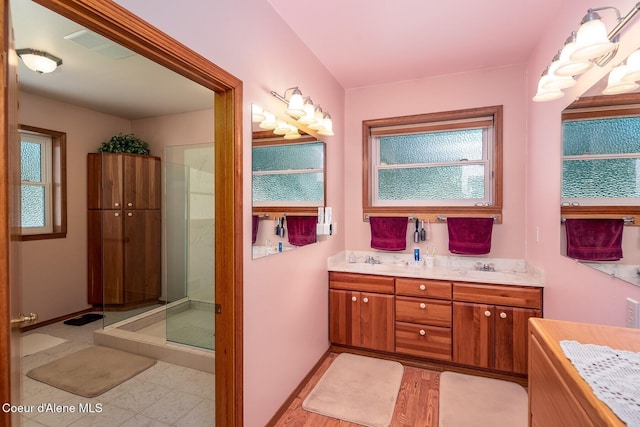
439	121
594	107
57	182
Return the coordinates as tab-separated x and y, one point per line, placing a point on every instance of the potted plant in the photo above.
125	144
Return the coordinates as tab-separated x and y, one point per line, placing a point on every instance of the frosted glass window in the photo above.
35	173
601	161
288	175
33	206
31	161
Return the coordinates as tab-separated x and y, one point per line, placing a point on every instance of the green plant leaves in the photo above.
125	144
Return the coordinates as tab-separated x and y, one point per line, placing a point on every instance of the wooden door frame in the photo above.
118	24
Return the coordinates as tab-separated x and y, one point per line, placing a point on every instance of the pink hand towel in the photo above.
470	236
594	239
389	233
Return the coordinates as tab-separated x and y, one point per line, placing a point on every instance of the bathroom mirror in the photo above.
288	179
601	178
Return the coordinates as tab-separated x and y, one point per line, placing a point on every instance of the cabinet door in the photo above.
104	181
344	317
112	255
142	183
511	338
473	334
142	255
377	321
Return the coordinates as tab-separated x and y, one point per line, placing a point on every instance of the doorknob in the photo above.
32	317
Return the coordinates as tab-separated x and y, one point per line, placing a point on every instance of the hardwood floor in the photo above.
417	403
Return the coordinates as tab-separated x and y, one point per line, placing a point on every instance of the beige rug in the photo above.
35	343
467	400
357	389
91	371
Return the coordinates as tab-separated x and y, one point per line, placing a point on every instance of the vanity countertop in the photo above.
463	269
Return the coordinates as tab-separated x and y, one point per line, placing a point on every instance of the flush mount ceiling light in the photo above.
591	44
39	61
305	112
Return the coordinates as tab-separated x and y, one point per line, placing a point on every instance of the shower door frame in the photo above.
118	24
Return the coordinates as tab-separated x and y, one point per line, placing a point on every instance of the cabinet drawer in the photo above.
423	288
515	296
424	341
424	311
361	282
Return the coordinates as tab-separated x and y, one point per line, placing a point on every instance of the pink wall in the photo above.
285	295
572	291
500	86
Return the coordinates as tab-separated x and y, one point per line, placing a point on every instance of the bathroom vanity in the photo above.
449	312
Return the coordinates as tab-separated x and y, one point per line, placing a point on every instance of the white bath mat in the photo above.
34	343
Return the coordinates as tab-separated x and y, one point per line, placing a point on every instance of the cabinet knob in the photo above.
129	214
423	305
116	204
423	332
354	299
129	204
365	300
116	214
503	315
423	287
487	313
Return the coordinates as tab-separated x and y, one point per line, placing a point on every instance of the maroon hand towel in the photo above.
388	233
594	239
470	236
302	229
256	224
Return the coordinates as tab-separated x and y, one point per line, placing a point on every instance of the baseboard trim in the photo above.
56	320
287	403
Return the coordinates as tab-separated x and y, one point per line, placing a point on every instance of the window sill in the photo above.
45	236
435	214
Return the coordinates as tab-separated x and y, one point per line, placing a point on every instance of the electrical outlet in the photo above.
632	313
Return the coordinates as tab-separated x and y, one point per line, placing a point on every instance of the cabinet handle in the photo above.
116	204
116	214
503	315
365	300
487	313
129	214
354	299
423	332
129	204
423	287
423	305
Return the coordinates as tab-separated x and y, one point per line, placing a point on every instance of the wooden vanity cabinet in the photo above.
423	318
361	311
124	229
490	325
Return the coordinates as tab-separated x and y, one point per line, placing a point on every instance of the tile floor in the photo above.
163	395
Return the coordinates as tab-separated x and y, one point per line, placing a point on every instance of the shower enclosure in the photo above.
183	312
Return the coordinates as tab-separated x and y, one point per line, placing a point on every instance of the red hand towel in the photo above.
389	233
470	236
594	239
302	229
255	225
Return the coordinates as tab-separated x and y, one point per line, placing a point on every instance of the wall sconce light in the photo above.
590	44
268	121
39	61
305	112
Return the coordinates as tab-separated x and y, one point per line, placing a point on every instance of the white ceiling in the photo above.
361	42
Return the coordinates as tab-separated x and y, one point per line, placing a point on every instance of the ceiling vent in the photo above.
97	43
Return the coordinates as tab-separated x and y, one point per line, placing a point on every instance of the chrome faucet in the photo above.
485	267
372	260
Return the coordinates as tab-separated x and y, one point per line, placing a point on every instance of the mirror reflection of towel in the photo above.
597	239
255	225
302	229
389	233
470	236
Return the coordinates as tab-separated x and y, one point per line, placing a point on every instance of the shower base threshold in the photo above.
125	336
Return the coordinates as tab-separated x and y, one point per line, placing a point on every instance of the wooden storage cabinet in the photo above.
124	229
361	311
491	335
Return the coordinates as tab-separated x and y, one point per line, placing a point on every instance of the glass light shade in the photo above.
551	81
39	63
296	104
567	66
543	95
269	122
319	116
326	128
616	84
292	133
633	67
592	41
257	115
282	128
309	113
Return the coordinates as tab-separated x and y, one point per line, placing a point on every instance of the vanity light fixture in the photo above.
617	83
591	44
305	112
633	67
39	61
